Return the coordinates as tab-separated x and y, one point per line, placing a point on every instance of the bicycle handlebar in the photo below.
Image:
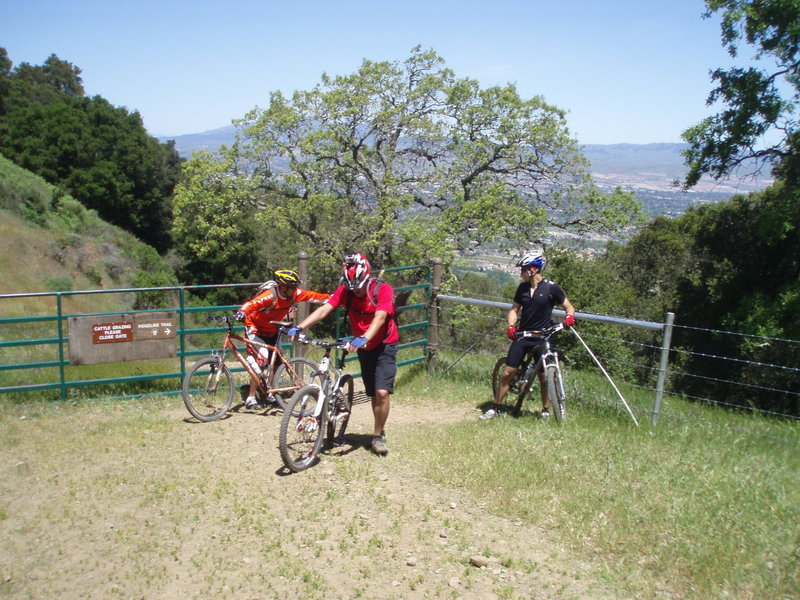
230	320
341	343
547	333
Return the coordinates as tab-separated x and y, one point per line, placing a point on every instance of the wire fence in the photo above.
631	352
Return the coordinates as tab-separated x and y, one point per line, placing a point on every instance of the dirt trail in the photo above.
176	509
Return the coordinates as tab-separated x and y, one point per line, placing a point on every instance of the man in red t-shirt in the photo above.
273	304
371	311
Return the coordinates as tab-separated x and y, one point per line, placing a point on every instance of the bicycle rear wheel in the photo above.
497	372
208	389
516	386
307	371
301	433
340	412
555	389
523	391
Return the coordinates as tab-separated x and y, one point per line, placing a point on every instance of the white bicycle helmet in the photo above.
532	260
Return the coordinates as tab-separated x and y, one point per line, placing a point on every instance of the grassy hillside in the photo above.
50	242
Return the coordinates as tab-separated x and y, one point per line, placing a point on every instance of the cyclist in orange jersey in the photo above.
272	304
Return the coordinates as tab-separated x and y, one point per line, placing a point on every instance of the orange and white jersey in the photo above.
269	306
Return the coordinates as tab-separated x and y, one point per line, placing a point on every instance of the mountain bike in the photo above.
529	370
320	409
208	387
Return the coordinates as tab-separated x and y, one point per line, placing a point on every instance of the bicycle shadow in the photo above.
527	411
269	410
191	420
351	443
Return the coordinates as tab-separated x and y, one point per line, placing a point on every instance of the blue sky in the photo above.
627	71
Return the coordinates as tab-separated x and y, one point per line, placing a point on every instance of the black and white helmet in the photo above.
532	260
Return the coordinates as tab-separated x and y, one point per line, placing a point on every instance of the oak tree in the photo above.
758	122
404	161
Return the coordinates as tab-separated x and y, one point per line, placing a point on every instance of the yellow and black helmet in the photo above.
287	278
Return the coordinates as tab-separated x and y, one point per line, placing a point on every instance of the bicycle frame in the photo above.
274	353
549	356
324	372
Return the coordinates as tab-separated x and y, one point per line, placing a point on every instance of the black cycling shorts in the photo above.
520	347
378	368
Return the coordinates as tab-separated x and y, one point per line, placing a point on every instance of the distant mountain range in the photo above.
646	168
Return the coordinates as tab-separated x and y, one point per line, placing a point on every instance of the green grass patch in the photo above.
704	505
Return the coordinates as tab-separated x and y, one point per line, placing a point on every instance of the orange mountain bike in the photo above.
209	385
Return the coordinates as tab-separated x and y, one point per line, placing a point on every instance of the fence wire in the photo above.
632	356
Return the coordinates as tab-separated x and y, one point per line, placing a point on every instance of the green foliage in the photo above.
58	284
101	154
730	266
153	273
757	102
27	196
80	242
217	235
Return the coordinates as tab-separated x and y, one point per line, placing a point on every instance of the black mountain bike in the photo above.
529	370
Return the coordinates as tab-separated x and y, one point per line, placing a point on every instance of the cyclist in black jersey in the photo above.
533	308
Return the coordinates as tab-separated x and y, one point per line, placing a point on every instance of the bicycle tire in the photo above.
554	387
208	389
301	434
339	415
517	408
306	369
514	384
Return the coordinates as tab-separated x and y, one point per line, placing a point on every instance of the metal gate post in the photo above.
433	320
302	308
662	367
61	371
182	325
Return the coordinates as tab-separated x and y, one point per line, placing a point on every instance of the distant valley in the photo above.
647	169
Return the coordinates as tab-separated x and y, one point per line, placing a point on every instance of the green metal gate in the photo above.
34	341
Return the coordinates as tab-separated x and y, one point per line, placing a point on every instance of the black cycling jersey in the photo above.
536	312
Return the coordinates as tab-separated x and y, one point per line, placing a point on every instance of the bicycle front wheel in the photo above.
301	433
303	372
340	412
555	389
208	389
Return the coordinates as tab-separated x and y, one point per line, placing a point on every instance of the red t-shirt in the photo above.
268	306
362	311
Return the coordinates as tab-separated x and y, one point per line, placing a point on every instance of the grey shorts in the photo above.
378	368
